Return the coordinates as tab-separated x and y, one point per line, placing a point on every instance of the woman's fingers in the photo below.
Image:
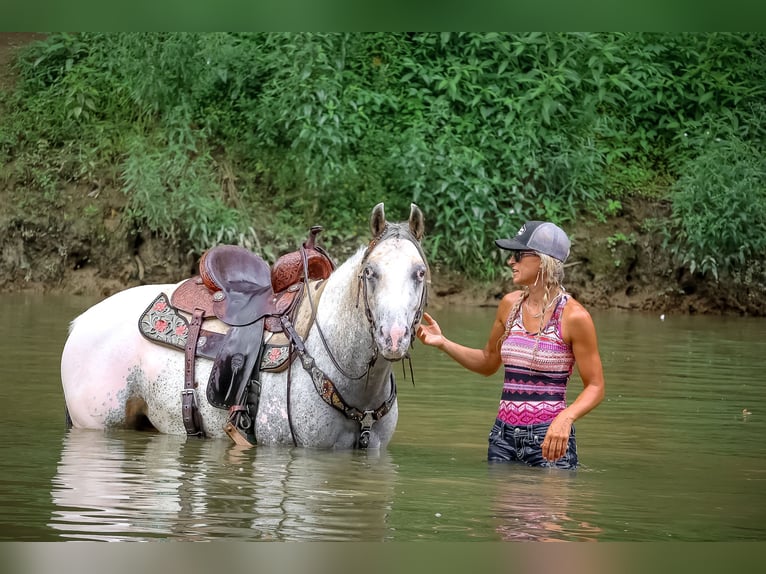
554	445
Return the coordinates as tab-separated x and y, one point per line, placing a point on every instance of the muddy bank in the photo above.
79	245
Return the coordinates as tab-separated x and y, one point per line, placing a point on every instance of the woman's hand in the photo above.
429	332
557	438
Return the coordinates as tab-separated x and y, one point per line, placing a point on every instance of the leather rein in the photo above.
322	383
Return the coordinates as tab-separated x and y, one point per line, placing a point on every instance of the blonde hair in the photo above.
551	272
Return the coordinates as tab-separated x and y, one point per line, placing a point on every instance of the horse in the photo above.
337	392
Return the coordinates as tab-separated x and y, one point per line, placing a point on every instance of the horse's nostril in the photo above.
396	335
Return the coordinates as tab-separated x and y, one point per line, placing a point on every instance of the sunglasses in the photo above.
518	255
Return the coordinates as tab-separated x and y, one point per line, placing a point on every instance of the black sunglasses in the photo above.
518	255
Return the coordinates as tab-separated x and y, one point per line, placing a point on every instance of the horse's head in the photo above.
394	281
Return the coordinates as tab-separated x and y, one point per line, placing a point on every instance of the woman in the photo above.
539	333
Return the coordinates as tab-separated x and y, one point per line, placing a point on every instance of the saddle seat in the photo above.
239	288
239	282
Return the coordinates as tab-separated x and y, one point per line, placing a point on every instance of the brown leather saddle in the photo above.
240	289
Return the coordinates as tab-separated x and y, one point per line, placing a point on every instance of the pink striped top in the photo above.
536	371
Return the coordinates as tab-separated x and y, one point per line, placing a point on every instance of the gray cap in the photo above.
541	236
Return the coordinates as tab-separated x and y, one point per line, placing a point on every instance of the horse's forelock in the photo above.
400	230
393	247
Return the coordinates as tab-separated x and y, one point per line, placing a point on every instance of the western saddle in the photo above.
239	288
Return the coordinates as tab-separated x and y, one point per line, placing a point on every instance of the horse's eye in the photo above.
368	273
420	273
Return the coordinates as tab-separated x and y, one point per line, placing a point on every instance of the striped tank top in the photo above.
536	371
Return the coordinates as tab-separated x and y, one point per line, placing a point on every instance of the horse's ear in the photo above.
417	222
378	220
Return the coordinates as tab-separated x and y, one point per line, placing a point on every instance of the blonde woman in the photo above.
540	332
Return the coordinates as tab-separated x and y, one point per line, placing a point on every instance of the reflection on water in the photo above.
118	486
540	505
675	452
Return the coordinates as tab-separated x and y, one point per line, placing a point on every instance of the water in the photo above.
675	452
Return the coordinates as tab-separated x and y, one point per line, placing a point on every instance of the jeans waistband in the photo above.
523	430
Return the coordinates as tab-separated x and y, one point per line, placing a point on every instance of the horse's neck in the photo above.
342	319
340	310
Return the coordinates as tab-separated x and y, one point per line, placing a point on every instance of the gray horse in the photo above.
340	389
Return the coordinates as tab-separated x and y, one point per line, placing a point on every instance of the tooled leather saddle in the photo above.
237	287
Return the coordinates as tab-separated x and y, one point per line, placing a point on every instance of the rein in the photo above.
372	360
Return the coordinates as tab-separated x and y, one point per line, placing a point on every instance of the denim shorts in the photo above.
509	443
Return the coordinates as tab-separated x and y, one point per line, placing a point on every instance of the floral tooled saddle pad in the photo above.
164	324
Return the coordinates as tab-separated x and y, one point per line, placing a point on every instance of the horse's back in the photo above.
101	353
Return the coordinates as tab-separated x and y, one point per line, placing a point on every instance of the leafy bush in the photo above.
719	205
171	193
482	130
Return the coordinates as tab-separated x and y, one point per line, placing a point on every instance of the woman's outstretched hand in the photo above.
429	332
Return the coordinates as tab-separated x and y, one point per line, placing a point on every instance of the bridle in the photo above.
391	230
397	231
322	383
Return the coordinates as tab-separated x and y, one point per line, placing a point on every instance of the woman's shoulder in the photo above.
573	306
574	311
512	296
507	303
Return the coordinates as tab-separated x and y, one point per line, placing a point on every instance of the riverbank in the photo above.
75	241
79	249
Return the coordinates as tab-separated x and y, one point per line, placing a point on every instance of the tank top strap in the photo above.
558	312
513	320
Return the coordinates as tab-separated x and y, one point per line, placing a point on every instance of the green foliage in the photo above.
175	195
719	205
482	130
616	241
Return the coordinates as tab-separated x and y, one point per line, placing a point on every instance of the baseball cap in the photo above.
541	236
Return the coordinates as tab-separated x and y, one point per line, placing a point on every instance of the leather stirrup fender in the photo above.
189	408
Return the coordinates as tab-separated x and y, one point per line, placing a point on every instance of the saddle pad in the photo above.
164	324
161	323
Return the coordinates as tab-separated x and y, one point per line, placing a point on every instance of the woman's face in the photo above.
525	266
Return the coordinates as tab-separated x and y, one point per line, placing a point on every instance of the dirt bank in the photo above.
80	245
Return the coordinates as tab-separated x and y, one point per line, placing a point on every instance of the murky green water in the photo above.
676	452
